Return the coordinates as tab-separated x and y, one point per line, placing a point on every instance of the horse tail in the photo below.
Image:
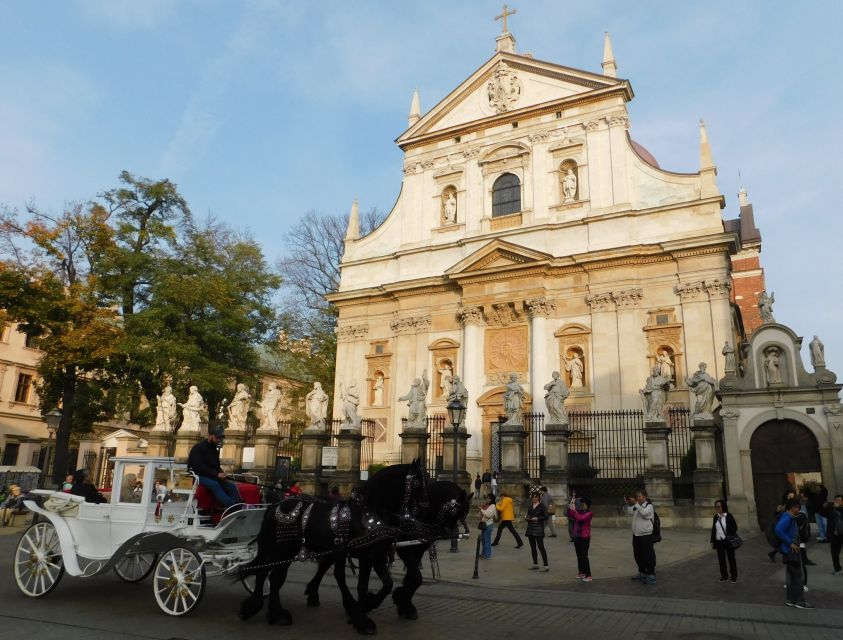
265	538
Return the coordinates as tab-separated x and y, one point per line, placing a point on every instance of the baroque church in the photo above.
534	234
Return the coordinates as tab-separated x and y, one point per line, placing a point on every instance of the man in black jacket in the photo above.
204	461
834	531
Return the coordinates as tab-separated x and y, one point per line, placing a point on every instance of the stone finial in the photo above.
415	109
353	231
706	160
610	68
743	198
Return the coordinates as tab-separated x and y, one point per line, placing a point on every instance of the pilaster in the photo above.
472	356
538	309
708	479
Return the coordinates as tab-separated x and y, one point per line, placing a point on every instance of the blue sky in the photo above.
262	110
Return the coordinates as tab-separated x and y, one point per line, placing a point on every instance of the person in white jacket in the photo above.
643	513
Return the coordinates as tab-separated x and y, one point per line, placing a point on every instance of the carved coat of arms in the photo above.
504	89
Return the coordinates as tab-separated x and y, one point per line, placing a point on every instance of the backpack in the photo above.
770	533
657	527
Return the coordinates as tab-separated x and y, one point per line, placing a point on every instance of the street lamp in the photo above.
456	413
53	419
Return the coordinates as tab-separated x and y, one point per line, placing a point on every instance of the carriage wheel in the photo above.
249	583
38	562
135	567
178	581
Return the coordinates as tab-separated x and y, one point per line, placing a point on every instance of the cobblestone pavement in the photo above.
687	604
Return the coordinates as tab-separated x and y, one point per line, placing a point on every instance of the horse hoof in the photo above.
312	600
248	609
281	618
408	614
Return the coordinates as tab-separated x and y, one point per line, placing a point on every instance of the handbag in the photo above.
481	525
734	541
551	509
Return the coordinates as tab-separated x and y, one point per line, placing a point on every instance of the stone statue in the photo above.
165	416
665	364
458	392
316	405
377	388
446	374
703	386
772	366
576	367
350	398
269	408
238	409
569	186
729	352
513	401
654	395
817	353
765	306
555	399
416	399
450	209
192	410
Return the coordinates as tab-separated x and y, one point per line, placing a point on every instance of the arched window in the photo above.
506	195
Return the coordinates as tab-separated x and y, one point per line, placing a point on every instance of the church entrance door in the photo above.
780	448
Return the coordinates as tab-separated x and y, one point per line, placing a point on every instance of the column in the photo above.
708	480
538	309
471	319
632	350
658	478
696	321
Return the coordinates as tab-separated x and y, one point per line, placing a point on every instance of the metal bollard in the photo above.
476	575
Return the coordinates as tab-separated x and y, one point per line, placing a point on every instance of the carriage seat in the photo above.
250	493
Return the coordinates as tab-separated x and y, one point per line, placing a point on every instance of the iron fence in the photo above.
436	434
608	444
679	444
534	444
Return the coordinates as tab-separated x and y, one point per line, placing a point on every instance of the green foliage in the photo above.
375	467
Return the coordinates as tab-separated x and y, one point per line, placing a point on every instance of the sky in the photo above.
262	110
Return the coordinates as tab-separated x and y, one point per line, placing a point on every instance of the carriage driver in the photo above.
204	461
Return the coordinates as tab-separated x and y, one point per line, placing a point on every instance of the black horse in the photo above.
447	507
306	528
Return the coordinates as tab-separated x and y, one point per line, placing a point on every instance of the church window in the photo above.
378	348
662	318
506	195
514	125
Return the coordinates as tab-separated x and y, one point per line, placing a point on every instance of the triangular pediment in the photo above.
509	83
496	256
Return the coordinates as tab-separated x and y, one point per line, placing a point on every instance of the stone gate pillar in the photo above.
184	443
513	477
462	436
347	475
414	444
708	478
658	478
231	456
266	446
158	444
310	474
555	476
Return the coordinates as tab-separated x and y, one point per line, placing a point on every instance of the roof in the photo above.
280	363
645	155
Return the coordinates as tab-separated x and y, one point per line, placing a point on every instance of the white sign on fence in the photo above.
329	456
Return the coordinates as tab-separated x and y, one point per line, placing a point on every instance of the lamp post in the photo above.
53	419
456	413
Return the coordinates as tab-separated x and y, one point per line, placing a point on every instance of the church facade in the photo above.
533	234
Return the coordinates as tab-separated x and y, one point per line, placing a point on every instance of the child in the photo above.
579	511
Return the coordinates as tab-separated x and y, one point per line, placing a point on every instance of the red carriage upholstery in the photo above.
250	493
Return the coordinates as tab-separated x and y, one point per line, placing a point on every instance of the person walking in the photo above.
580	514
723	527
478	483
536	516
487	517
507	515
487	482
494	483
834	531
787	532
547	501
643	515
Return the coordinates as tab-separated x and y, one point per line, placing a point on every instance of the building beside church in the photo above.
533	234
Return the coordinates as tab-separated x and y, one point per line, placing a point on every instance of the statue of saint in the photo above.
166	412
729	352
238	409
703	386
450	208
665	364
654	395
350	397
377	388
458	392
555	399
513	401
569	185
192	410
316	406
269	405
817	353
772	366
446	374
765	306
416	399
575	367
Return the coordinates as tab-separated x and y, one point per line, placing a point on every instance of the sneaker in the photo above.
724	579
544	569
535	567
836	572
805	588
733	580
803	605
650	580
790	603
580	576
587	579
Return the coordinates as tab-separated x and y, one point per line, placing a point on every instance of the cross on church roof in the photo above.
506	12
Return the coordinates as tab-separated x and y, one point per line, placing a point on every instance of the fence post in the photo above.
708	478
347	475
266	445
555	476
414	443
158	444
513	477
231	455
658	477
448	441
310	475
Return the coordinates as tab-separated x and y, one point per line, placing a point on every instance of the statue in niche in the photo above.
575	366
729	353
513	401
703	386
446	375
269	408
165	415
192	410
450	208
772	366
238	408
765	306
416	399
458	393
665	364
654	395
569	186
316	406
350	400
377	389
557	391
817	353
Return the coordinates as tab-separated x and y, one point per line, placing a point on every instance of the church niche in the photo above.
569	181
449	206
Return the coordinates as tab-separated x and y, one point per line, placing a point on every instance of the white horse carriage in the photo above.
151	524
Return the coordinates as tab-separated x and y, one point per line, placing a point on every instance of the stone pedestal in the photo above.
513	476
158	444
463	478
347	475
184	443
310	474
658	478
231	456
708	478
555	476
266	444
414	445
